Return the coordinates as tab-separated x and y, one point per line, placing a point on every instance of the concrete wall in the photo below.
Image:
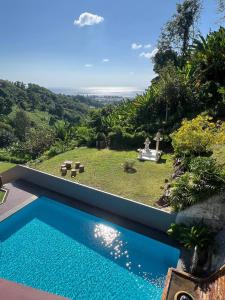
132	210
211	211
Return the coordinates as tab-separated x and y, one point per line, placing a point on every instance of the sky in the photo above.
85	43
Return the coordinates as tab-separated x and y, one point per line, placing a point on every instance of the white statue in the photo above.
157	138
150	154
147	143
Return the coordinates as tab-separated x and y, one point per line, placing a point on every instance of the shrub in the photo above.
128	166
60	147
7	156
195	137
120	139
204	178
85	136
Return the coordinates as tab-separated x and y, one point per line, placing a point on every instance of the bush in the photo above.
196	137
6	135
60	147
203	180
85	136
128	166
120	139
208	177
6	156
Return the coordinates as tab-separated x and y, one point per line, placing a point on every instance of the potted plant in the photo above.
198	238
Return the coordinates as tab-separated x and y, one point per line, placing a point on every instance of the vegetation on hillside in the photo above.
179	91
28	111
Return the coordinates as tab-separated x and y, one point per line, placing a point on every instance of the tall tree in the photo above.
221	8
178	33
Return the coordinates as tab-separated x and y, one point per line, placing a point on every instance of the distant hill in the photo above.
33	98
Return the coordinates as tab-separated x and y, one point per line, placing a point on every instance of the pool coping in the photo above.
10	290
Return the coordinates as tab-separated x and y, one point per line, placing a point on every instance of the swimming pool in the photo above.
65	251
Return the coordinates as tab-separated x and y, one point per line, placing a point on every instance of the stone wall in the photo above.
211	211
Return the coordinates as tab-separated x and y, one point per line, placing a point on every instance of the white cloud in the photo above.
136	46
88	65
105	60
88	19
147	46
131	73
149	55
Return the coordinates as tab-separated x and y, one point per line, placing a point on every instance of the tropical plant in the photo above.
191	236
204	179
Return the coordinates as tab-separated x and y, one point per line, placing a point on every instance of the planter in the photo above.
182	295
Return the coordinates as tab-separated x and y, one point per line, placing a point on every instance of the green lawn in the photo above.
4	166
103	170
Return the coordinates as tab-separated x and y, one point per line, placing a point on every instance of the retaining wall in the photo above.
132	210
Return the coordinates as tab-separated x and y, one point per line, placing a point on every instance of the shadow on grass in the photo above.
162	161
131	171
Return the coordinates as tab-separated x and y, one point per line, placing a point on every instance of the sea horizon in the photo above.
112	91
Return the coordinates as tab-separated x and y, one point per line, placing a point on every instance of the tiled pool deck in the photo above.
21	193
13	291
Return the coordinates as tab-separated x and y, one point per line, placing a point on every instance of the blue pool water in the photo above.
55	248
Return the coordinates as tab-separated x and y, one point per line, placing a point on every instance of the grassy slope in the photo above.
103	170
4	166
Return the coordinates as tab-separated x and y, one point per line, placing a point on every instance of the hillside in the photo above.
33	98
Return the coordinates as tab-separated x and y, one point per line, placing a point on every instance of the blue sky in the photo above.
40	42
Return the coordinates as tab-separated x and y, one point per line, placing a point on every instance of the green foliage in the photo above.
85	136
5	104
195	137
181	90
204	178
63	131
178	32
198	235
59	147
6	135
21	122
120	139
9	157
100	136
33	97
208	63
